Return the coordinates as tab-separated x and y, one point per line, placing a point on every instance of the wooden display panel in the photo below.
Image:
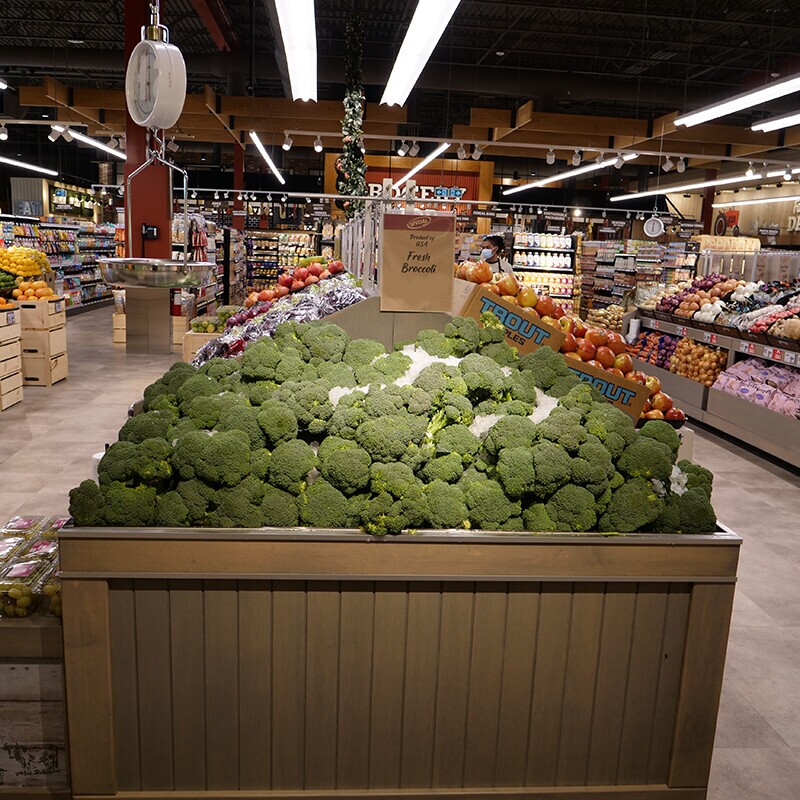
311	664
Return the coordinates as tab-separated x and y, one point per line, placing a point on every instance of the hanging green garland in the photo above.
350	167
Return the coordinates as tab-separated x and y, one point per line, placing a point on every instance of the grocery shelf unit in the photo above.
770	431
83	283
546	263
234	258
308	663
271	252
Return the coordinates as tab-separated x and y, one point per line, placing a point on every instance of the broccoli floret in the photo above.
457	439
438	378
515	470
417	456
129	506
646	458
224	370
259	463
464	334
563	427
523	387
553	468
182	426
346	468
613	427
391	367
260	360
243	418
484	377
223	459
501	352
545	366
332	443
434	343
362	352
279	508
197	496
662	432
86	504
572	509
383	514
471	475
581	398
325	340
149	425
417	402
337	374
493	330
239	507
291	367
171	511
512	524
345	420
287	336
290	464
208	410
633	506
446	505
536	518
513	408
147	462
196	386
163	402
563	385
447	468
697	476
323	506
592	467
387	439
260	391
488	505
457	408
395	478
166	387
511	431
383	402
690	512
278	422
310	404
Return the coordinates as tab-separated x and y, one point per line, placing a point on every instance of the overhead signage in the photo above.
554	228
684	234
464	218
618	223
555	215
607	230
793	221
479	212
691	225
769	231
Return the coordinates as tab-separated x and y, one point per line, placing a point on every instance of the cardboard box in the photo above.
13	364
44	344
192	342
629	396
10	382
9	325
119	336
119	321
44	371
42	314
10	399
9	349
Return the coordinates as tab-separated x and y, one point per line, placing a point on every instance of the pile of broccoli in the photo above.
453	430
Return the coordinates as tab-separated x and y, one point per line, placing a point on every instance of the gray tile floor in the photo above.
47	441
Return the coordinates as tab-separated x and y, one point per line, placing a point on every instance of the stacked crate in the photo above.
44	342
10	361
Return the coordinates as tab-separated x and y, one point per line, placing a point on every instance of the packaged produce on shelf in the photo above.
452	430
697	361
655	348
20	585
769	385
24	526
609	317
207	324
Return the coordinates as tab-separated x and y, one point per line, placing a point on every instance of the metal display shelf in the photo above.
562	270
543	249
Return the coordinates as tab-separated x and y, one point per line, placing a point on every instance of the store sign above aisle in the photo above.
416	267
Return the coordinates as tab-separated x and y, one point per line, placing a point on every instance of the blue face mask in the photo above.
486	253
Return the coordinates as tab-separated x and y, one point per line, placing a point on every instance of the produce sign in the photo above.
523	331
629	396
416	272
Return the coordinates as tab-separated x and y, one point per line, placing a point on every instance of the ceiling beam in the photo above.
218	23
490	117
212	105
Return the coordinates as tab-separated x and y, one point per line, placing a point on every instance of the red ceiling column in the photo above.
151	196
707	212
238	186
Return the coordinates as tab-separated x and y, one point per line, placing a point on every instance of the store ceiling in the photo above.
587	71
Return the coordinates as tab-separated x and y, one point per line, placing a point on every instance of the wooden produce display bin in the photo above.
44	371
179	327
192	342
328	664
119	328
42	314
10	362
44	343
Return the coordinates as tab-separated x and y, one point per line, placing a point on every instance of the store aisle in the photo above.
46	445
47	440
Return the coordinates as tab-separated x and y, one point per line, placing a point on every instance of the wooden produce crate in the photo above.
12	396
328	664
192	342
40	371
179	327
44	343
119	328
10	326
42	314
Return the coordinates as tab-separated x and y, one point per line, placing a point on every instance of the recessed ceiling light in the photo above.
775	74
499	53
75	41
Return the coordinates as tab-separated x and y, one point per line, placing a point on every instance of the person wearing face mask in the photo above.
493	254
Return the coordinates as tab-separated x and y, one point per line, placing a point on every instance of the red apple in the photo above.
661	401
311	279
567	324
573	355
653	384
654	413
532	312
605	356
550	321
315	269
636	375
674	414
285	279
597	336
507	285
615	371
301	273
616	342
546	305
324	274
335	267
570	343
558	312
586	350
297	285
580	328
624	363
281	291
646	407
593	362
527	297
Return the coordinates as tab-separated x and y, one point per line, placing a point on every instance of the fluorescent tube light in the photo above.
299	34
759	202
24	165
426	28
82	137
741	101
592	167
776	123
3	85
422	164
687	187
781	173
265	155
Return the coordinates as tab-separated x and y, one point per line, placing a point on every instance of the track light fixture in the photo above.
284	198
216	195
287	142
539	211
194	195
240	198
576	158
414	150
618	164
112	142
318	144
461	152
361	145
269	197
550	158
600	157
172	145
668	164
3	133
477	152
54	135
403	149
253	197
787	175
681	165
749	172
227	195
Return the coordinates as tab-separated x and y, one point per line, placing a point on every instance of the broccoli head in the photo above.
439	379
288	336
128	506
633	506
382	514
456	407
464	334
290	464
523	387
225	371
219	459
325	340
323	506
147	462
278	422
690	512
515	470
488	505
553	468
336	373
197	386
208	410
510	431
571	508
362	352
545	366
581	398
697	476
239	506
563	427
662	432
458	439
484	377
434	343
613	427
291	367
447	468
86	504
197	497
260	391
536	518
259	361
243	418
259	463
647	458
492	330
279	508
166	387
383	401
592	466
446	505
388	438
501	352
391	366
345	468
172	511
311	405
149	425
345	420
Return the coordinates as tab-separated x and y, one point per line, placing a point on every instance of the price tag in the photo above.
789	357
681	330
9	318
713	339
657	324
777	354
751	348
706	336
744	347
58	306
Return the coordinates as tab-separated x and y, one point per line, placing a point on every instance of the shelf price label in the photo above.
790	358
681	330
706	336
774	353
657	324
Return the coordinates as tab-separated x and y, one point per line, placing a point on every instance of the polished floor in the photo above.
46	447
